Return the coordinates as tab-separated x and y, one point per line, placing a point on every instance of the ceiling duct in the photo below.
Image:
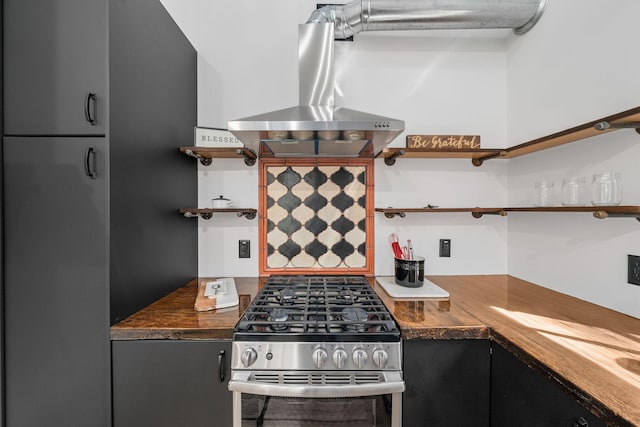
392	15
316	127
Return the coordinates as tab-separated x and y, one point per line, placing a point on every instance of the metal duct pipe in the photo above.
391	15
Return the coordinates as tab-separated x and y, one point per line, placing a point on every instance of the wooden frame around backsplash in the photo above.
264	164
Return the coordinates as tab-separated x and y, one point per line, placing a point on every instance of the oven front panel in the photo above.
367	411
274	355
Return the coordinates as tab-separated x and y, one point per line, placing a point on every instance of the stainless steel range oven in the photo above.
317	350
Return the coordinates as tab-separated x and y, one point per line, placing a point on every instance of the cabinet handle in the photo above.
90	163
221	366
89	112
580	422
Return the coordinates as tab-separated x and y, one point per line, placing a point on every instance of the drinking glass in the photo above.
543	193
607	189
573	191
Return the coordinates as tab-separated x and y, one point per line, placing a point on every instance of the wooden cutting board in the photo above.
428	291
206	303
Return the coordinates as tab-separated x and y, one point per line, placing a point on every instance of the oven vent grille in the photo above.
354	378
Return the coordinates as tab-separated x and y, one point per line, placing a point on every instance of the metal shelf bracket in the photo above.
602	214
604	125
208	213
204	215
394	214
249	156
501	212
205	161
247	214
391	160
479	160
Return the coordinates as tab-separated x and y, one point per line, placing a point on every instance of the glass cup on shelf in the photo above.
607	189
573	192
543	193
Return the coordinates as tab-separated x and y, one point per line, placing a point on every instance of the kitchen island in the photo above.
591	351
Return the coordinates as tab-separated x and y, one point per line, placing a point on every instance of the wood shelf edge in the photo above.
599	212
205	154
478	156
573	134
207	213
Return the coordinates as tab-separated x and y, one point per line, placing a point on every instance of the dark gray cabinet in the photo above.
56	310
171	383
86	251
523	397
55	55
447	383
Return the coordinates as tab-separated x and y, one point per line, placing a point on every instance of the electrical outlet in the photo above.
244	249
633	275
445	247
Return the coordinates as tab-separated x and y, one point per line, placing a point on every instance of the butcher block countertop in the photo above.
174	316
592	350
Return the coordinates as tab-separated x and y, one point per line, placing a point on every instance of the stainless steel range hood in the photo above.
316	127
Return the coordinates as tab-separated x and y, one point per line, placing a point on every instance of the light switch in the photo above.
445	248
244	249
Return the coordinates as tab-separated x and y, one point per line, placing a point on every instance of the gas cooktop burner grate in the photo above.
317	308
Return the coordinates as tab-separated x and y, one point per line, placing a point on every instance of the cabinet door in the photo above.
55	290
54	56
447	383
171	383
522	397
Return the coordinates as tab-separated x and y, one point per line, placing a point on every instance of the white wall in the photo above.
438	82
478	246
575	66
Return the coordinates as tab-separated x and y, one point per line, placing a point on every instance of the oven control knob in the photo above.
380	358
359	357
340	357
319	356
248	357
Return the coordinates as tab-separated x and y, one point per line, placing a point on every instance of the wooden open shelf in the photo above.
626	119
599	212
476	212
205	154
391	154
208	213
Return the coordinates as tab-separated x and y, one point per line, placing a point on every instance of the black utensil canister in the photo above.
410	273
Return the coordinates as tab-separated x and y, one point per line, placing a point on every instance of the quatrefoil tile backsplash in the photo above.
316	217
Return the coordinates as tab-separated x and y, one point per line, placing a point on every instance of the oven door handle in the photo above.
240	383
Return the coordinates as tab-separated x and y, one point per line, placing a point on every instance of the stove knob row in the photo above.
340	357
319	357
380	358
248	357
359	357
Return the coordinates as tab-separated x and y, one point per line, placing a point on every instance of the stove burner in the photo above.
286	296
317	308
346	296
352	314
279	317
